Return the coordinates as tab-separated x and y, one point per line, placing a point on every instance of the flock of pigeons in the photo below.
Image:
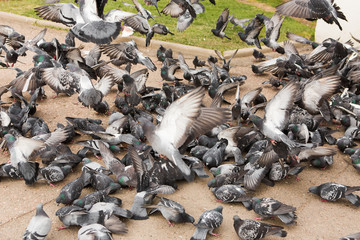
321	86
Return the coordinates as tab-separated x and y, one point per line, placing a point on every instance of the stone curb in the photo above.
155	44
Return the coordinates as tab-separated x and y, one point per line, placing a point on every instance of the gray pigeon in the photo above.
273	26
252	31
39	225
355	236
277	114
230	193
73	215
248	229
221	24
215	155
72	190
268	207
172	211
94	231
208	221
331	191
145	198
86	22
190	119
312	10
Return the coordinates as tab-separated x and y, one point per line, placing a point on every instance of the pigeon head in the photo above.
219	209
146	125
102	107
212	183
212	91
256	120
242	36
114	148
280	50
123	180
215	171
187	218
314	189
9	138
61	198
266	41
127	79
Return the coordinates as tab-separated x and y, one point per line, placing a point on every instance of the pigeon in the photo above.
89	200
258	55
198	63
176	8
141	25
252	32
208	221
184	21
94	231
230	193
53	173
85	20
268	207
221	24
125	52
11	36
273	32
277	113
186	113
23	149
240	22
312	10
172	211
39	225
315	102
215	155
145	198
72	190
250	229
301	39
355	236
331	191
73	215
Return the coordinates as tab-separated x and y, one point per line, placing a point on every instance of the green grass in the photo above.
199	33
272	3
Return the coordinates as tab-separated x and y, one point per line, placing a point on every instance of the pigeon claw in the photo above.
171	224
61	228
273	142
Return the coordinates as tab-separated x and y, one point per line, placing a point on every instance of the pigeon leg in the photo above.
52	185
61	228
12	65
218	200
273	142
215	234
171	224
76	103
324	200
297	178
258	219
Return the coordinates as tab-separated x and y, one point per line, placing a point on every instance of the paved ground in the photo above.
316	219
